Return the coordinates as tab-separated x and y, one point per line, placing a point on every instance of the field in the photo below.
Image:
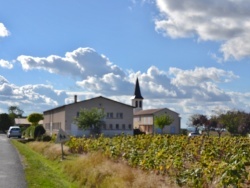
191	162
140	161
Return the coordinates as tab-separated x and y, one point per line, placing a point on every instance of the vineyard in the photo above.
193	162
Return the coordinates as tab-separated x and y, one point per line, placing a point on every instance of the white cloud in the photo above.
3	31
200	75
201	84
226	21
82	63
30	98
5	64
95	70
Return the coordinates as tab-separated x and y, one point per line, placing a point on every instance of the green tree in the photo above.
163	120
90	118
34	118
5	122
198	120
231	121
15	111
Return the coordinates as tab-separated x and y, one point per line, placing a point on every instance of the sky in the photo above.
190	56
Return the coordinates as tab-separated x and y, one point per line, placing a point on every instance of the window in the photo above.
119	115
130	126
136	104
172	130
117	126
57	125
77	114
140	104
110	126
123	126
109	115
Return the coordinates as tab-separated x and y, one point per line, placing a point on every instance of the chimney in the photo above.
75	97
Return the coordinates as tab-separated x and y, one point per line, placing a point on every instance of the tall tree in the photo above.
90	118
34	118
220	128
210	124
5	122
235	122
15	111
163	120
231	121
198	120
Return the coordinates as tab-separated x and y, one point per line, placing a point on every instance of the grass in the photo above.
88	170
41	172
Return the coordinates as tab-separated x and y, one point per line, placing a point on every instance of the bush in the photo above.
29	132
138	132
39	131
46	138
53	138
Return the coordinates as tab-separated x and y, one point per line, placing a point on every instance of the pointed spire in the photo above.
137	93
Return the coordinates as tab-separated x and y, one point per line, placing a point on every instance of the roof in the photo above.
63	106
147	112
137	92
151	111
24	121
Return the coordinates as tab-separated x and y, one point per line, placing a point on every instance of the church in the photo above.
119	118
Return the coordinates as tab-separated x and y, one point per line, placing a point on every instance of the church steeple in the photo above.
137	99
137	92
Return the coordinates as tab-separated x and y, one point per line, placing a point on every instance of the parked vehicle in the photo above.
193	134
14	131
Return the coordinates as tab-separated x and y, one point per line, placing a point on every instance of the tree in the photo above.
198	120
5	122
220	128
15	111
235	122
231	121
34	118
244	125
163	120
90	118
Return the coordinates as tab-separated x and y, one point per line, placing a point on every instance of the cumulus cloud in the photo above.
226	21
187	92
30	98
5	64
3	31
96	72
82	63
202	83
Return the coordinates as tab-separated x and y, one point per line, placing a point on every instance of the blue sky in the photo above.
190	56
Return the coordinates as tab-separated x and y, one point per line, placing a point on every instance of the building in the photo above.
144	119
22	121
118	120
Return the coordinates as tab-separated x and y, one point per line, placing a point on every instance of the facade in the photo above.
144	119
118	120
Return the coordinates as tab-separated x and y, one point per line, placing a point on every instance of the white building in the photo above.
118	120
